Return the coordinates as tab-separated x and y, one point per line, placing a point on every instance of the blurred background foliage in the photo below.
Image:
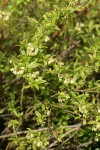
49	74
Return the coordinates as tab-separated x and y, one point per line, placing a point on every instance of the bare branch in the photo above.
85	144
39	130
69	138
74	129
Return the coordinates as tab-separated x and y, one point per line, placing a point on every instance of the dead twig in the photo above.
38	130
69	138
87	90
86	144
67	133
67	52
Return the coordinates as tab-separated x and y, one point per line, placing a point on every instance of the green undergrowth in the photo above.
50	75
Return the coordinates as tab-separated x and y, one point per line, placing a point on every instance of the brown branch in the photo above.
69	138
66	110
38	130
66	53
76	128
13	134
87	90
85	144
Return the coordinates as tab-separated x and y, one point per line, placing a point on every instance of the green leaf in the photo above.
26	87
36	86
12	123
33	65
38	114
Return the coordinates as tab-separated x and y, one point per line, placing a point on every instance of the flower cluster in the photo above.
62	96
47	39
33	75
66	79
29	136
31	50
5	15
18	71
79	26
50	60
83	109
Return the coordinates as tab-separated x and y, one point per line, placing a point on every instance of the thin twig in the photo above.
21	97
72	130
38	130
77	129
64	54
73	126
87	90
13	134
21	132
68	111
30	110
55	142
85	144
